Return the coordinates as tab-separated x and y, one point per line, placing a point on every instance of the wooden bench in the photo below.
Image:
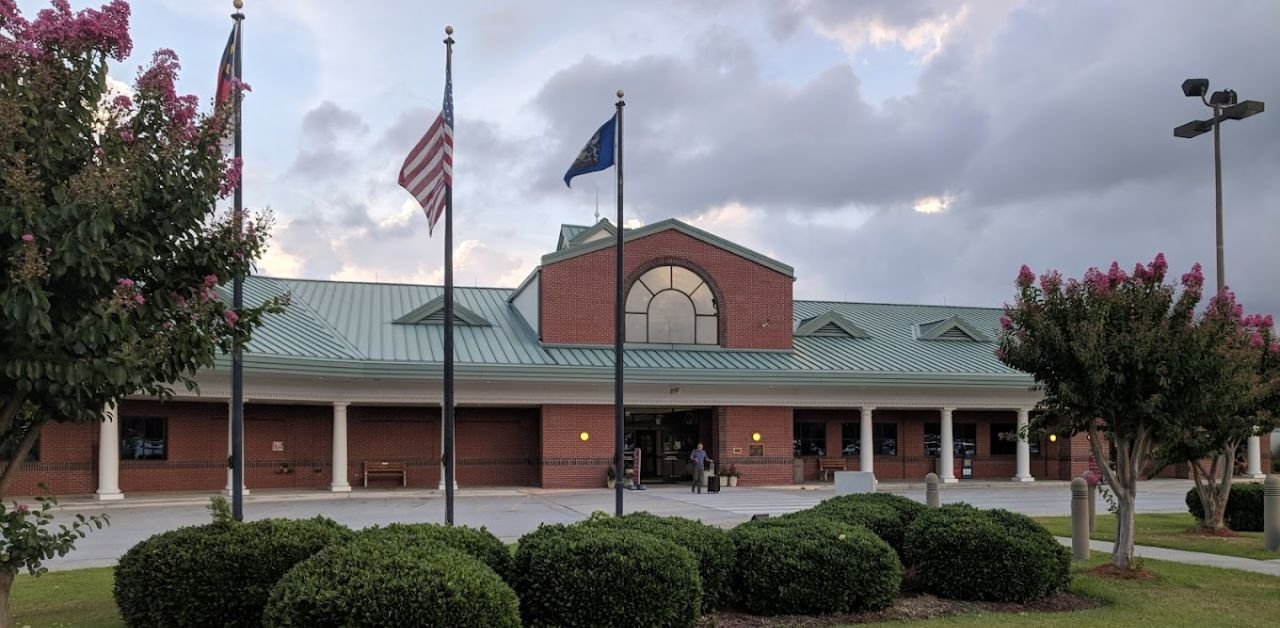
830	463
385	469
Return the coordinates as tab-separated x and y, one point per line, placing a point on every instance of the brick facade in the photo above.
754	302
567	460
734	427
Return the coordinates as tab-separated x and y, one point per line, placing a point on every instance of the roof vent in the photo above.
830	324
953	328
432	313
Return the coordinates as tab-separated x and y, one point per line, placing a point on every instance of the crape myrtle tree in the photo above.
111	251
1248	403
1117	356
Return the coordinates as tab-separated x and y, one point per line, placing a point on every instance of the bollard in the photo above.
1093	507
931	490
1079	519
1271	513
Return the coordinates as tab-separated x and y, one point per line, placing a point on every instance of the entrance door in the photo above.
648	444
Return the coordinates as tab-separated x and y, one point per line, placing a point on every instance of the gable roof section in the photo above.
432	313
830	324
671	224
568	233
595	232
953	328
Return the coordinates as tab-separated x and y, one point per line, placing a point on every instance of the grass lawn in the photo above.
79	598
1171	530
1179	595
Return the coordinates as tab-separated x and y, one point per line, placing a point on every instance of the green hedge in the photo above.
214	575
378	580
961	552
809	565
479	543
710	546
1244	507
885	514
569	576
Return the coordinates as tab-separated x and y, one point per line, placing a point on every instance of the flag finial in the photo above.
619	93
239	4
448	30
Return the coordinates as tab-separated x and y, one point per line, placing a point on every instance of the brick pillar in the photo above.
567	460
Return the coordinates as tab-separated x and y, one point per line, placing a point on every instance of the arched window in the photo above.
672	305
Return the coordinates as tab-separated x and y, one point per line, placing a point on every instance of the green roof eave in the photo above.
675	225
366	369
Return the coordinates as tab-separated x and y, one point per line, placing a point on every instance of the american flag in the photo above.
427	172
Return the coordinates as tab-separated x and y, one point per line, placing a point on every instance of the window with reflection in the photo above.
672	305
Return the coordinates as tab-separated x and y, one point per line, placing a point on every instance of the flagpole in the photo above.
448	316
618	321
237	303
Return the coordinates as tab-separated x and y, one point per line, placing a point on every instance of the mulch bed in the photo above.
1212	533
909	607
1111	571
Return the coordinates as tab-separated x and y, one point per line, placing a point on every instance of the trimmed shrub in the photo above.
378	580
710	546
598	576
961	552
813	565
479	543
881	519
218	574
1244	507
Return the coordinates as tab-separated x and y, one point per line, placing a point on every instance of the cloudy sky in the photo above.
890	151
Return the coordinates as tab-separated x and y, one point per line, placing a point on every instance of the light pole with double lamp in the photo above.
1225	106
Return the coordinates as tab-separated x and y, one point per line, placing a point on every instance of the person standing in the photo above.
698	458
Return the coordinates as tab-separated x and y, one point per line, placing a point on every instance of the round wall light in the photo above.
1053	438
584	437
755	436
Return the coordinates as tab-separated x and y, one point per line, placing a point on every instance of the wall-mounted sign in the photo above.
737	451
277	445
757	450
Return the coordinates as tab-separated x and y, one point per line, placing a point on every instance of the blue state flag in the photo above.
597	154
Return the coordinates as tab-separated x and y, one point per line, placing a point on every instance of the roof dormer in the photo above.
830	324
953	328
432	313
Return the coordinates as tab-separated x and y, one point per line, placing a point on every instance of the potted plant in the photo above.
732	474
631	476
610	476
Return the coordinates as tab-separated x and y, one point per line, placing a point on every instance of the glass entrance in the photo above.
665	437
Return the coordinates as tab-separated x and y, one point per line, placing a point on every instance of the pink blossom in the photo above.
90	29
122	102
27	237
22	508
1097	281
210	281
126	135
1025	277
1000	355
179	301
231	178
125	283
1193	280
1115	275
1051	281
1255	340
1141	273
231	317
139	299
1158	267
1005	323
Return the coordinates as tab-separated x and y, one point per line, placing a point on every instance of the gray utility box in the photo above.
853	482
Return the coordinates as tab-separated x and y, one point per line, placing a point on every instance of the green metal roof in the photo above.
348	329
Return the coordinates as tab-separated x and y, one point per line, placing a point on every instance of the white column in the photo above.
1253	468
109	455
1024	448
243	489
866	449
339	466
948	448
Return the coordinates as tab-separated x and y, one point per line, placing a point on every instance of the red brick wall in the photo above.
567	461
67	464
498	446
734	427
197	448
577	293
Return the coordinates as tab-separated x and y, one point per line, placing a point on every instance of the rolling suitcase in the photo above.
713	484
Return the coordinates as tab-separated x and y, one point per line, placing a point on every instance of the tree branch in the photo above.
19	456
1107	473
10	410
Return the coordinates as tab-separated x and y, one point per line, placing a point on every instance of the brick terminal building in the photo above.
718	352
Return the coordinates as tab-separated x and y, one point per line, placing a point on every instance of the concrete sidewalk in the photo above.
1268	567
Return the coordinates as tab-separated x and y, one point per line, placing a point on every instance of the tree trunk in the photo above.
1214	487
1122	555
18	457
6	585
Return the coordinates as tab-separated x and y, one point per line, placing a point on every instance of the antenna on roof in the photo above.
597	203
